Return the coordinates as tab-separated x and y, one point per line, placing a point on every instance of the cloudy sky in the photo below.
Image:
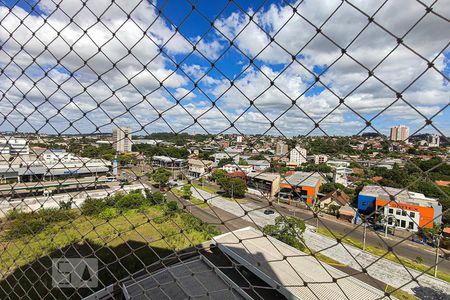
276	68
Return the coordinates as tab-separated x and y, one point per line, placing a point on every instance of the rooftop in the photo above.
401	195
303	179
296	274
197	278
264	176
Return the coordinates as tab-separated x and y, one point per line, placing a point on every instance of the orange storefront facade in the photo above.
424	215
308	192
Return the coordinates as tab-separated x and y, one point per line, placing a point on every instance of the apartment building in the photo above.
399	133
122	139
281	149
298	155
320	159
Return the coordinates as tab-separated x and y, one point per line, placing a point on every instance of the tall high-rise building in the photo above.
281	149
239	139
400	133
298	155
122	139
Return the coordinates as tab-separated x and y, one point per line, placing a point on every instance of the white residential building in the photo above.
122	139
298	155
239	139
433	140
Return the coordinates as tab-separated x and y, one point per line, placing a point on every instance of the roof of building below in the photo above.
283	266
196	278
338	196
303	179
264	176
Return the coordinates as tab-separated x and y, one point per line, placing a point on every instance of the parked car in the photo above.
269	212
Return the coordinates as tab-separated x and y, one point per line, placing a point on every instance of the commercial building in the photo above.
122	139
408	210
399	133
300	186
198	168
168	162
281	149
11	146
298	155
32	169
265	184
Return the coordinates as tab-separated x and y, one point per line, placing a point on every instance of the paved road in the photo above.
402	248
381	269
405	249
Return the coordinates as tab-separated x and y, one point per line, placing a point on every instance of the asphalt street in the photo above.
228	222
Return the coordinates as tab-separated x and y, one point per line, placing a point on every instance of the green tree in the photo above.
161	176
233	187
172	206
243	162
186	191
288	230
224	161
218	174
158	198
330	187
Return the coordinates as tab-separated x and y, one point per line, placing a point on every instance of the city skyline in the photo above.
184	103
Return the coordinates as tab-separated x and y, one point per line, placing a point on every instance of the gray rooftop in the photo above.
303	179
194	279
264	176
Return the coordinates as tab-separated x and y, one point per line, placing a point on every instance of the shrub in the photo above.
92	207
158	198
134	199
109	213
65	205
186	191
21	223
172	206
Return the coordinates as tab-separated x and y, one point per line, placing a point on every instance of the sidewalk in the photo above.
381	269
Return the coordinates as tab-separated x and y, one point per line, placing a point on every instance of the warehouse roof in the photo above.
302	179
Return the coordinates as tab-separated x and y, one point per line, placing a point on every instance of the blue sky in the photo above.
196	97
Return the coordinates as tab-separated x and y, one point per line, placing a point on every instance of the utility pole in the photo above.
364	234
436	261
